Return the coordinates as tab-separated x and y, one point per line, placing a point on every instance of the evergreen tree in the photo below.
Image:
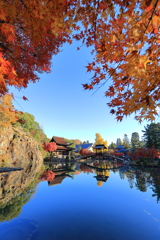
112	146
135	140
126	141
118	142
152	135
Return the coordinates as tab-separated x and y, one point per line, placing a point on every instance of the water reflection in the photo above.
78	196
141	178
16	189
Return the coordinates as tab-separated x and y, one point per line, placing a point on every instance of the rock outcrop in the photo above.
18	150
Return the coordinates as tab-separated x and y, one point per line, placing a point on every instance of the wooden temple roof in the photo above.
62	148
60	141
101	178
99	146
57	180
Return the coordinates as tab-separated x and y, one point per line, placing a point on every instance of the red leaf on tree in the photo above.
89	67
112	111
24	98
49	146
86	86
85	152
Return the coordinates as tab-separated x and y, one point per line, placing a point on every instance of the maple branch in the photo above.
154	8
4	47
110	75
26	7
95	22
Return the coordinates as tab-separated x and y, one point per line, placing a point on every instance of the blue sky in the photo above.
64	109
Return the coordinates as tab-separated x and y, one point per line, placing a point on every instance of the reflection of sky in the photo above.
78	209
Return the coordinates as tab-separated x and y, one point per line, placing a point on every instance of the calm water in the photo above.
83	203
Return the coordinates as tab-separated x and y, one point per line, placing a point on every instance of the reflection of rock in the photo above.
13	183
16	189
12	208
19	229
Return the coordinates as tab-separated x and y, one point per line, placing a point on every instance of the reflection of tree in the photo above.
13	208
156	190
99	183
130	178
47	175
115	170
85	169
121	174
141	181
103	172
156	184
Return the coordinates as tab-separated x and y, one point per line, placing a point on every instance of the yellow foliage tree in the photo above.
99	140
7	113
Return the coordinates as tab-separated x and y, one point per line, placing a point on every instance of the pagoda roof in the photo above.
84	145
101	178
60	141
99	146
120	148
64	148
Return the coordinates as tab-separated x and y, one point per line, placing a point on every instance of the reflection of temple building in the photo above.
102	176
60	175
63	148
57	180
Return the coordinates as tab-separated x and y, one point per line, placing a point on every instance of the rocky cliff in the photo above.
17	149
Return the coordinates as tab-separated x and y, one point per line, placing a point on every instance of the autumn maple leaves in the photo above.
126	52
49	146
124	36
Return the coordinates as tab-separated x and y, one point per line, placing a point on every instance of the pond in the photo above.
93	201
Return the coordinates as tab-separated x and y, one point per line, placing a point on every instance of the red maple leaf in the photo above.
24	98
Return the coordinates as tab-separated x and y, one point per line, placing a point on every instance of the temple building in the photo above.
99	148
87	146
63	148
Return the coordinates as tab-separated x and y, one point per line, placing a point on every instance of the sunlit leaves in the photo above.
124	36
7	113
49	146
